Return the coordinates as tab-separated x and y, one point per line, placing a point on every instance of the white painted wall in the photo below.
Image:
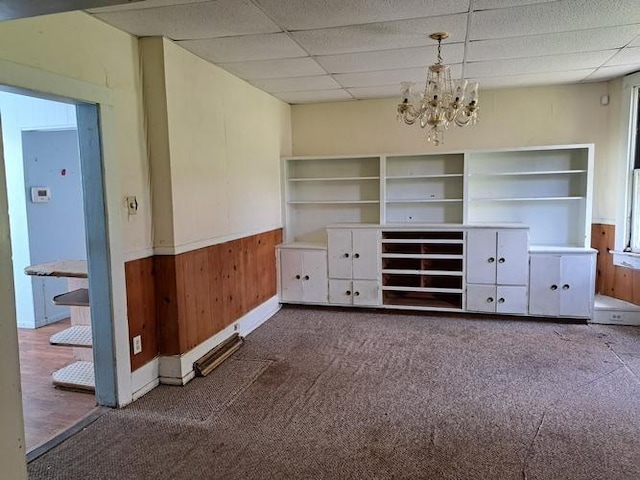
25	113
225	139
508	118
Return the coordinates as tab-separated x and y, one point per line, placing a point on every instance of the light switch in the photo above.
132	205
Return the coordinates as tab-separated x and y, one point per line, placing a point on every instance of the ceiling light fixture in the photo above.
439	104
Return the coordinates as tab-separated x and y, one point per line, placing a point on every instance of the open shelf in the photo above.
408	177
75	298
75	336
424	200
525	199
332	179
525	173
330	202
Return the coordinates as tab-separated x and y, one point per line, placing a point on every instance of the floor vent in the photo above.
219	354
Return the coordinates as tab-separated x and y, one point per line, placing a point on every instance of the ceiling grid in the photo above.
305	51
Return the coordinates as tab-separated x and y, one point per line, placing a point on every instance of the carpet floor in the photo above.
345	394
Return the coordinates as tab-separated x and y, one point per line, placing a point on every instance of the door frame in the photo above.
96	105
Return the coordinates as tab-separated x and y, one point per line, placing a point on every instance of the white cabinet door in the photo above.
340	292
481	298
366	292
544	278
314	276
576	286
512	257
365	254
339	248
290	275
481	256
511	299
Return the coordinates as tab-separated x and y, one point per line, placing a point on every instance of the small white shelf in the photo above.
434	241
423	256
332	202
332	179
440	273
532	172
412	177
422	289
425	200
525	199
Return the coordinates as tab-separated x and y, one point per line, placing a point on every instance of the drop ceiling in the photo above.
305	51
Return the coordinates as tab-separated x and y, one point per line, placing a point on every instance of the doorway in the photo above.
57	158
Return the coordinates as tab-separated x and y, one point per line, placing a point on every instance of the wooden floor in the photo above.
47	410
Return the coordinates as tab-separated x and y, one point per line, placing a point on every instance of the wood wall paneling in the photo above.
611	280
201	292
141	309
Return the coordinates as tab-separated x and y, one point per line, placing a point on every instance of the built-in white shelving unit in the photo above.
549	189
321	191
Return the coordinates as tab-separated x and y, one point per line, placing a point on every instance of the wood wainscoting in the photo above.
176	302
612	280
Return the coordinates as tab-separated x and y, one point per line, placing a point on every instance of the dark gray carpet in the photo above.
327	394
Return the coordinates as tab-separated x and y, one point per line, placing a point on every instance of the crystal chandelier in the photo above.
439	104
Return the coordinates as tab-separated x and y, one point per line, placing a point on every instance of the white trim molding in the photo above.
145	379
178	369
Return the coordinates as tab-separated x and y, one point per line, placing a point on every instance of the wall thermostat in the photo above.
40	194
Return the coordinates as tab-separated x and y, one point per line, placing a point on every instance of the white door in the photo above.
366	292
481	256
339	249
290	275
314	276
544	280
365	254
511	299
512	257
481	298
576	296
340	292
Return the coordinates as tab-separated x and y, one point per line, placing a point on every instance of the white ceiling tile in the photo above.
137	5
626	56
314	97
552	17
390	59
381	36
553	78
312	14
244	48
525	66
552	44
492	4
296	84
383	91
280	68
388	77
220	18
608	73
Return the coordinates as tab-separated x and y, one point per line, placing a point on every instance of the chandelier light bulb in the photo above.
440	104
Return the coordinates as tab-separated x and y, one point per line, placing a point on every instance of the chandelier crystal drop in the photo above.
439	104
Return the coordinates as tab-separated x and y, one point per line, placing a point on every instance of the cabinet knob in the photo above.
306	277
348	292
490	300
565	286
501	260
554	287
491	260
357	255
297	277
346	255
501	300
356	294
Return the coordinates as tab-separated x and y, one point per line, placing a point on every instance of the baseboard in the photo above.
178	369
616	317
145	379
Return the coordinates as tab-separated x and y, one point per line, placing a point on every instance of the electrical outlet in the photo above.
137	344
